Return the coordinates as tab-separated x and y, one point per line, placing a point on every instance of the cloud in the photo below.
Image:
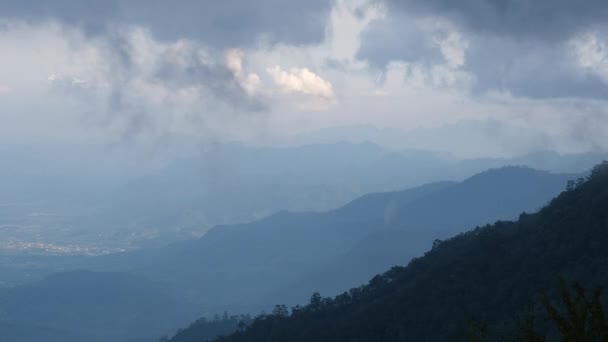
539	20
453	48
517	47
592	54
146	89
250	82
396	38
302	80
92	16
67	81
4	90
221	24
219	75
530	70
153	71
429	41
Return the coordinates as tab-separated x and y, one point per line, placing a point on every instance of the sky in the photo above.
154	72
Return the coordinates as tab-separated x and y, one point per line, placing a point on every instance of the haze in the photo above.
163	161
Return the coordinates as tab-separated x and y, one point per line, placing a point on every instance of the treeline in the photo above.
204	329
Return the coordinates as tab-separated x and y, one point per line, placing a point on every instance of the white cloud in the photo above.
64	83
128	86
302	80
234	62
345	26
592	54
453	47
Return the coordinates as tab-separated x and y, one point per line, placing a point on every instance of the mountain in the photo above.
232	184
468	139
32	333
489	196
409	228
62	200
194	192
250	267
101	306
493	274
79	206
246	267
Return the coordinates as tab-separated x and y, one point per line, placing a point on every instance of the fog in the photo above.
163	162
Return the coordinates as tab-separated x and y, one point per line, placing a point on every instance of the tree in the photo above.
571	185
578	318
241	326
599	169
280	311
316	301
437	243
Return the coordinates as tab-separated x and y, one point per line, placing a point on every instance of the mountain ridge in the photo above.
256	259
494	273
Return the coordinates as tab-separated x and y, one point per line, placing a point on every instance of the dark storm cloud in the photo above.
543	19
532	70
216	24
223	23
233	22
90	15
397	37
518	46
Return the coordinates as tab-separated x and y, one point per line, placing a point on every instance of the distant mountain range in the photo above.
480	285
61	202
465	139
286	256
283	258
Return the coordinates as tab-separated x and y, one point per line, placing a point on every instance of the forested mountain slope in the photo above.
492	274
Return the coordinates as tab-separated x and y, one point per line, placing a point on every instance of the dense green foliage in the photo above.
491	274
